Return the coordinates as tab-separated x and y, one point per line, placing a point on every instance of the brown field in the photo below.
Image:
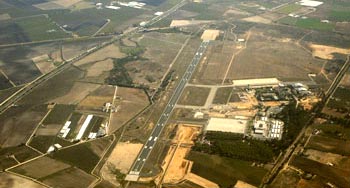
46	165
343	27
182	23
99	67
214	65
346	80
111	51
236	12
194	96
264	57
77	93
286	178
131	101
48	130
8	180
71	177
330	174
17	124
332	145
257	19
43	64
326	52
128	42
98	146
160	50
96	99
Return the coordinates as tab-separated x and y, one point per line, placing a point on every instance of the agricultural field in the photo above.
86	22
289	8
10	180
90	153
10	155
35	28
17	124
225	171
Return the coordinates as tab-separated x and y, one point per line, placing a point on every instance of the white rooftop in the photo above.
310	3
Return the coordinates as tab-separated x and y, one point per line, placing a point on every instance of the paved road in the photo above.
146	150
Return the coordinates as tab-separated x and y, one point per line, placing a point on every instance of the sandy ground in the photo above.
257	19
182	23
8	180
176	167
66	3
242	184
99	67
210	34
325	52
236	12
48	6
324	157
201	181
45	67
48	130
121	158
4	17
111	51
78	92
346	80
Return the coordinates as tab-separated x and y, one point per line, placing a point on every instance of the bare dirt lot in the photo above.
210	34
8	180
99	67
326	52
46	165
176	167
264	57
182	23
324	157
121	158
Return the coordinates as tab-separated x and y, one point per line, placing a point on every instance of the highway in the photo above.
157	130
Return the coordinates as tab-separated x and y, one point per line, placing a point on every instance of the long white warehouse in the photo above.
83	127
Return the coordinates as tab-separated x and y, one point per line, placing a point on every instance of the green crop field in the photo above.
204	11
40	28
316	24
340	16
289	8
88	21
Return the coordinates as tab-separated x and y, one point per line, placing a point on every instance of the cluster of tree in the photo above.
235	146
295	119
